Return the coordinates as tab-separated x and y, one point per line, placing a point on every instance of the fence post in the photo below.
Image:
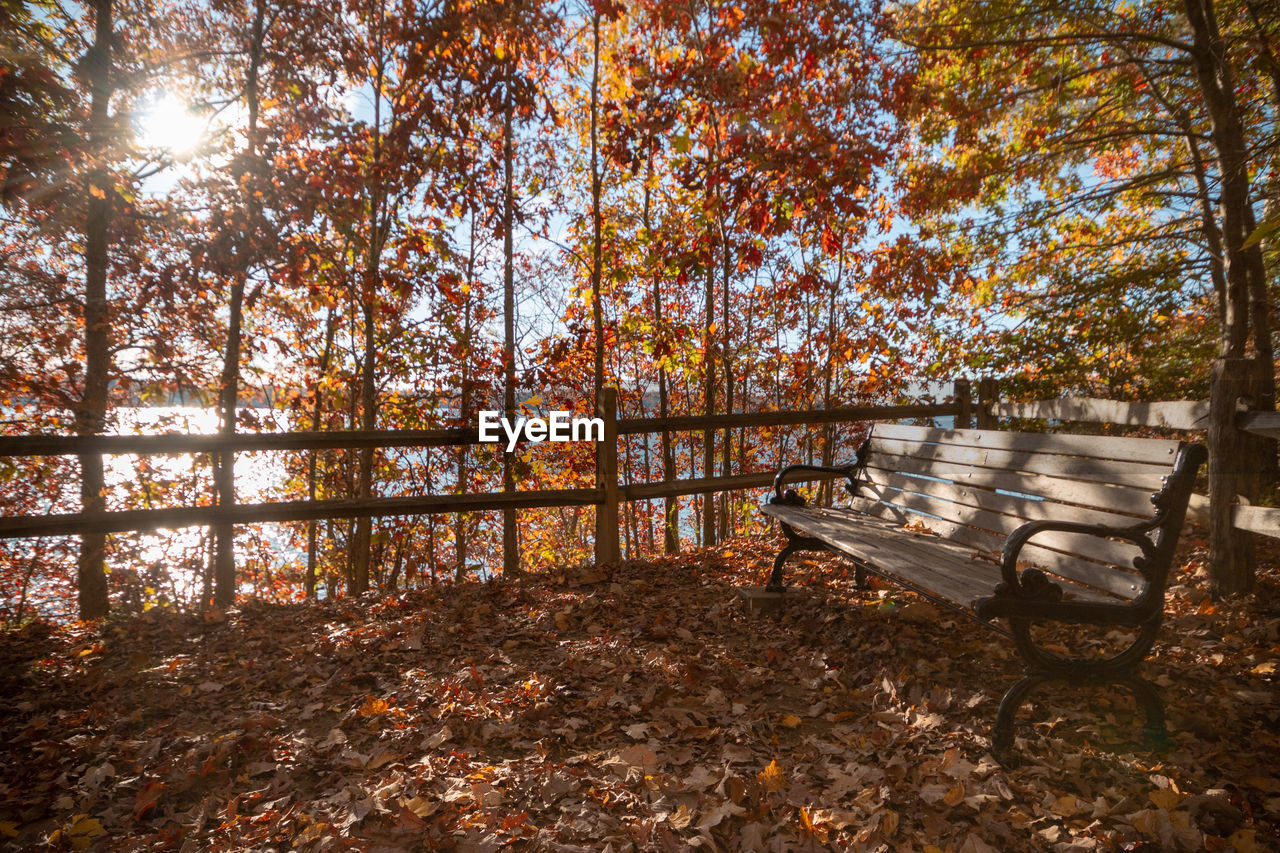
988	394
607	546
1234	464
964	404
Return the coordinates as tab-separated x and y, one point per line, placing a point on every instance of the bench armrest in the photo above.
1032	594
1135	533
850	473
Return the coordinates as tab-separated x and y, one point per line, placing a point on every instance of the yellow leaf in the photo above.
422	806
84	831
1165	798
1242	840
771	777
1067	806
955	796
889	823
9	828
1268	668
790	721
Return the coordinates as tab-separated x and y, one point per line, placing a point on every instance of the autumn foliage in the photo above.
247	216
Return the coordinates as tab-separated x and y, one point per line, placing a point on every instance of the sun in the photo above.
169	124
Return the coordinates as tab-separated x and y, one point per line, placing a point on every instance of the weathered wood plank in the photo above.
1257	519
59	445
1155	451
934	564
944	569
1089	547
1260	423
1176	414
19	527
1126	500
1119	582
1029	509
648	491
1072	467
675	423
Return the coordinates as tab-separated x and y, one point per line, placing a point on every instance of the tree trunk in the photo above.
224	572
726	361
709	408
670	505
1231	472
371	284
1232	562
317	422
464	411
825	490
510	540
91	578
597	279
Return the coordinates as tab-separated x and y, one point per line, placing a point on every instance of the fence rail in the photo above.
1175	414
607	494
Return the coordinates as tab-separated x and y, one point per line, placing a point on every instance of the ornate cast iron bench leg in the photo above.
795	542
1044	667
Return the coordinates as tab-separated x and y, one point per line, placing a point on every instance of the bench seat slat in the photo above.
1148	450
1072	467
1123	584
1077	577
1089	547
946	570
950	571
1121	499
1027	508
943	499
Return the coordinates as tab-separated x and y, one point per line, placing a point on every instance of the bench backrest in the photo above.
977	486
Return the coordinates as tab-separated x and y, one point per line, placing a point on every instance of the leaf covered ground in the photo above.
635	709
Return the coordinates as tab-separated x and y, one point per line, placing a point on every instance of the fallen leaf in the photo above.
771	777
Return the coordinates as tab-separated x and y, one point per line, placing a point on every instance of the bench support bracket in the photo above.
1043	667
795	542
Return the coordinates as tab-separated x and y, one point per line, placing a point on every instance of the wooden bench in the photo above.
1031	528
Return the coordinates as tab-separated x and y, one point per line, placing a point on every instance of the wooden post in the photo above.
988	393
964	404
1234	464
607	546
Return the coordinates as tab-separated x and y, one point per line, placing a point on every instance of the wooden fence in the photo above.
608	493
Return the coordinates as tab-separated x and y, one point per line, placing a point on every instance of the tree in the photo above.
91	580
1109	152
